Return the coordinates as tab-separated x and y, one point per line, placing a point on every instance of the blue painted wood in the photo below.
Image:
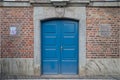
59	47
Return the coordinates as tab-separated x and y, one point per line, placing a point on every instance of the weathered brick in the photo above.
98	46
20	45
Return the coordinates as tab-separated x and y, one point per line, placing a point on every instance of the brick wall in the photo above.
101	46
21	44
0	30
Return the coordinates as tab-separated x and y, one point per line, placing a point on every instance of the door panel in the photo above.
50	47
68	27
68	51
50	28
69	67
50	67
59	47
50	52
68	40
69	44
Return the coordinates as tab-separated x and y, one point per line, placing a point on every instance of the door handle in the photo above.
61	48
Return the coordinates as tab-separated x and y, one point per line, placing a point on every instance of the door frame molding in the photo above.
46	13
64	19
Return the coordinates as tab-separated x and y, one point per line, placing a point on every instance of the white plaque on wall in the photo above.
13	30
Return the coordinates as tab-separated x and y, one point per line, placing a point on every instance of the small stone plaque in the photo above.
105	30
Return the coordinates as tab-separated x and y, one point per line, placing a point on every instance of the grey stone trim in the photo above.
104	0
104	4
43	13
15	3
103	67
16	66
71	3
49	3
40	1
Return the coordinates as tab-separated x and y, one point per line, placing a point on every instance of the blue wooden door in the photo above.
59	47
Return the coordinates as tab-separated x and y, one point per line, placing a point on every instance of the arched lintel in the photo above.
57	18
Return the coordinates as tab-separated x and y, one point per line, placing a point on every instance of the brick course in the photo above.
21	44
98	46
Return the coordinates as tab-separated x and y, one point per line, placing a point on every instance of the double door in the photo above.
59	47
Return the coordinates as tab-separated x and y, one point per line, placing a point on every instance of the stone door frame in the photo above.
44	13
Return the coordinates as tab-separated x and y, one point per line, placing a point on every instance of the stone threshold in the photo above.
60	76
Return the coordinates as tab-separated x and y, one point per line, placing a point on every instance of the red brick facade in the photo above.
98	46
21	44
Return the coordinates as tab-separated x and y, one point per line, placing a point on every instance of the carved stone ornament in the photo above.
60	12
